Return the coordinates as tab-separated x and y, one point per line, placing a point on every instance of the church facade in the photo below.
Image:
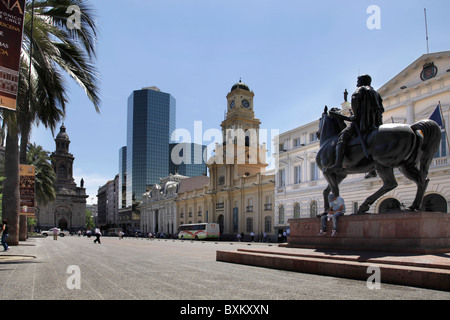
68	211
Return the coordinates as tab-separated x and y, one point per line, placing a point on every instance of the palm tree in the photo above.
44	174
57	50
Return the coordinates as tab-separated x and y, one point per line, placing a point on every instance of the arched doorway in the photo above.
389	205
434	203
220	220
62	217
156	230
63	224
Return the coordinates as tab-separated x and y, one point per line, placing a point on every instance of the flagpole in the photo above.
426	28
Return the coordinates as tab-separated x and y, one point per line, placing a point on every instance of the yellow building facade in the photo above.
239	193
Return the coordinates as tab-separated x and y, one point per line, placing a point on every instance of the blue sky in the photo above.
296	56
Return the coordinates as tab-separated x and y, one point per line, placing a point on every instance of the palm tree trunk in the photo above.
11	194
24	139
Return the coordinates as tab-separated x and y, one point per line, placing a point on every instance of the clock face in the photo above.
232	104
245	104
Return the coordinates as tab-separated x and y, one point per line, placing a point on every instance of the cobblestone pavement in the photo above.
74	268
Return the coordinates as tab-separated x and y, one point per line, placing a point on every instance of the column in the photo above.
410	116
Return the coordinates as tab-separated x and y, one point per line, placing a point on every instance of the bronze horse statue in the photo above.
410	148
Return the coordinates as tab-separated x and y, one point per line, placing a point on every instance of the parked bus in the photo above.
199	231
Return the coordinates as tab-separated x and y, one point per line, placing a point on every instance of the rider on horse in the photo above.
367	107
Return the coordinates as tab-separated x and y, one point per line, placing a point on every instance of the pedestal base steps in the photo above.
412	232
405	248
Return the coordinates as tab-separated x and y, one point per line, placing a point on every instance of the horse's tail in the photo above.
431	133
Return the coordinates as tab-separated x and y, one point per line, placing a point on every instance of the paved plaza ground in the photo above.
74	268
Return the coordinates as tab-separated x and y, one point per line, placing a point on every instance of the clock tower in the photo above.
240	128
240	101
240	153
240	190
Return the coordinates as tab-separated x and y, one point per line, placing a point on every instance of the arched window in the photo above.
281	214
249	224
313	209
296	211
268	224
389	205
434	203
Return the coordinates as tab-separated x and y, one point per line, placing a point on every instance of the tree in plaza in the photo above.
90	224
58	40
44	174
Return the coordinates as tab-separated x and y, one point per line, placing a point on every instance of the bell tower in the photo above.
62	161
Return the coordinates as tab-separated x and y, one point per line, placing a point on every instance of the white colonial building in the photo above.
410	96
158	207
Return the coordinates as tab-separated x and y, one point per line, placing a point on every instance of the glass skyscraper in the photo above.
150	122
122	177
187	159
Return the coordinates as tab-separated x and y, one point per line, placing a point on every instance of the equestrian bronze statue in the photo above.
370	146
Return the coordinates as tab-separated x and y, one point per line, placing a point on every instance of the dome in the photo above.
240	85
62	135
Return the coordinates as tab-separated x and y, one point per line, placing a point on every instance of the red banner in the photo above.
11	28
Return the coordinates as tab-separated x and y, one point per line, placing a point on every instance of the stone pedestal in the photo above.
410	232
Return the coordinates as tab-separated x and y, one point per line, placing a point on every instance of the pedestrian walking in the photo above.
55	233
5	231
97	236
